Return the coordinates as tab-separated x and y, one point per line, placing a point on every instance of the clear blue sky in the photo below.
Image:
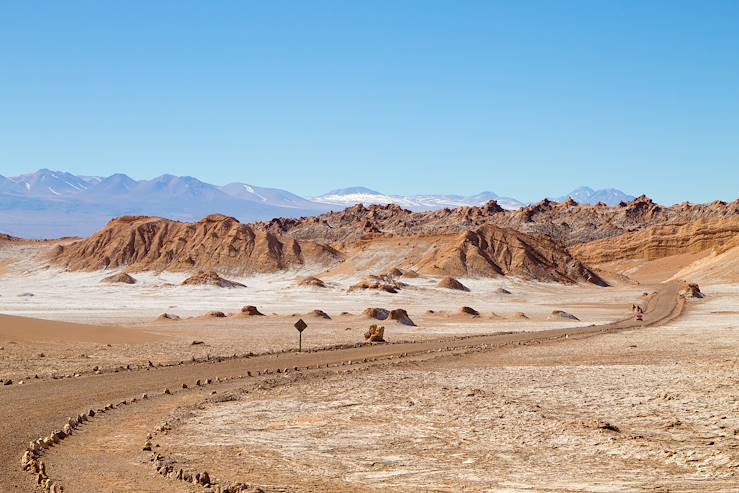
526	99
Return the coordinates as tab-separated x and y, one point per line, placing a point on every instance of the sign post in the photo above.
300	326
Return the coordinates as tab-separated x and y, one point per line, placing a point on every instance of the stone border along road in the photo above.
32	411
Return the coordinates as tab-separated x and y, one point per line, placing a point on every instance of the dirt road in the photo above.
35	409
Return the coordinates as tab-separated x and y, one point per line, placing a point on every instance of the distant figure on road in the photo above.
638	313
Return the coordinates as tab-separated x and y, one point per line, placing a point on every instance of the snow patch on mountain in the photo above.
346	197
587	195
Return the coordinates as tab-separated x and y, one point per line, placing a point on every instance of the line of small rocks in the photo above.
149	365
31	459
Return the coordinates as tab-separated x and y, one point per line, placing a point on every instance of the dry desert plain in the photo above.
515	396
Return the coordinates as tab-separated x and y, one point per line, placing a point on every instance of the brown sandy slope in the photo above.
215	242
714	267
31	329
661	241
491	251
567	222
4	264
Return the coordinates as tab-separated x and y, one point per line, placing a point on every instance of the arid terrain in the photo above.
158	355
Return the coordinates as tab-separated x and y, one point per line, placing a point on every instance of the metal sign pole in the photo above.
300	326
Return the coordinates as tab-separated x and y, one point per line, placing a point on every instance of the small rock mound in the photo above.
320	314
215	314
520	315
560	314
382	283
210	278
410	274
394	272
375	334
121	277
599	424
502	291
376	313
451	283
250	311
311	281
168	316
468	310
402	317
691	290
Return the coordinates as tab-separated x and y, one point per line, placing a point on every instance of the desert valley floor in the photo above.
508	383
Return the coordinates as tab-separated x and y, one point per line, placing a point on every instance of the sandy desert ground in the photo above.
619	412
454	403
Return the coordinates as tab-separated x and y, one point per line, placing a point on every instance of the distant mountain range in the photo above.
586	195
48	203
349	196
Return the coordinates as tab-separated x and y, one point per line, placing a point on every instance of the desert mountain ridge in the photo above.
548	241
222	243
567	222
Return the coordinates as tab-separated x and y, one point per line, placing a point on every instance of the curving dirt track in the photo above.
34	410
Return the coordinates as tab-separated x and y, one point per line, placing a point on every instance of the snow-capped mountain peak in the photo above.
586	195
46	182
355	195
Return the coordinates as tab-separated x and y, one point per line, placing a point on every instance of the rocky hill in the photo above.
490	251
568	222
214	243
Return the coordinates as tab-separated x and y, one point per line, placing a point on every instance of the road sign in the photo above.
300	325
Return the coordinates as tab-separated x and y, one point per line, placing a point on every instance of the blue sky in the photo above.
526	99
